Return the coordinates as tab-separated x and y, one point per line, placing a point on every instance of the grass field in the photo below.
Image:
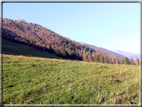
19	49
37	80
32	80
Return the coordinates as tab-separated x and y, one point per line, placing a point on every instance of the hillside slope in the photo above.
33	80
12	48
106	51
41	38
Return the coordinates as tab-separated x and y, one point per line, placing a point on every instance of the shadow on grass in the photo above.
12	48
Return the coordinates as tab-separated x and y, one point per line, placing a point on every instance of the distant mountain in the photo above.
106	51
128	54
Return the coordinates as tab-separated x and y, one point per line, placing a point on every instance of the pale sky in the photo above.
108	25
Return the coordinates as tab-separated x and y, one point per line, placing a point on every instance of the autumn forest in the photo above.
36	36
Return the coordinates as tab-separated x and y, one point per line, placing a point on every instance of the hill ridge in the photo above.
42	38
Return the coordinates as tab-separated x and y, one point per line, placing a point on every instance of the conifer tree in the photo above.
44	45
116	60
129	61
58	53
50	49
84	55
111	61
126	60
28	44
64	53
93	57
132	62
137	61
32	43
89	56
98	58
28	41
123	60
76	48
105	59
72	54
81	54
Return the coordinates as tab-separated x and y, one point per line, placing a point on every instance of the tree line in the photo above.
92	57
44	39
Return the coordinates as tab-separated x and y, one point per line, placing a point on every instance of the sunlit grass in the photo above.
32	80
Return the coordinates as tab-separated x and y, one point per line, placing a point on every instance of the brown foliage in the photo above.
137	61
40	37
101	59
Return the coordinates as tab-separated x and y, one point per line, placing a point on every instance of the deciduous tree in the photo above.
101	59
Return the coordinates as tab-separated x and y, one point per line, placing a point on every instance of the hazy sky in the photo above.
108	25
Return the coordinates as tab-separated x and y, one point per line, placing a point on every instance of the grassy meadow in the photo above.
19	49
32	80
38	80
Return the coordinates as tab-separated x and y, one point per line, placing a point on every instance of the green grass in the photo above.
33	80
36	77
19	49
